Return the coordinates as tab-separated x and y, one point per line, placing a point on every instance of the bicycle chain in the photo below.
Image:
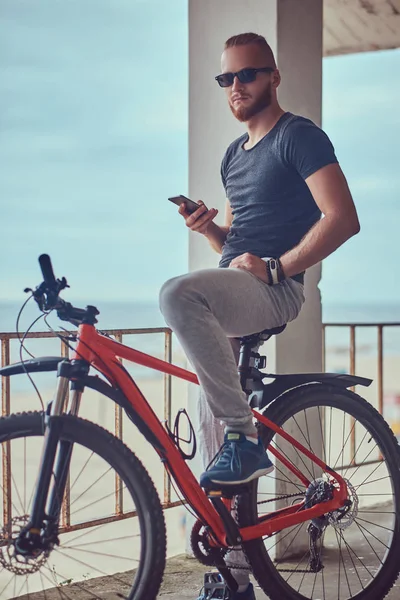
296	494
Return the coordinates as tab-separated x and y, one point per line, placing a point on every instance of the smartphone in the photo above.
190	205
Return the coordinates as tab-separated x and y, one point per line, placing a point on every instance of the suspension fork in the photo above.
51	439
63	462
51	444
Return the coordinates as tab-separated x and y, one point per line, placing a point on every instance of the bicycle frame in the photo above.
105	353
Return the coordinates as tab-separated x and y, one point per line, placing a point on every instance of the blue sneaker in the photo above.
238	461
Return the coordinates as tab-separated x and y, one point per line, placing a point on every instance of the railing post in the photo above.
66	505
119	498
167	408
352	372
6	449
6	452
380	369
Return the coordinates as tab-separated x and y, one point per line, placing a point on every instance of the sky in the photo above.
93	139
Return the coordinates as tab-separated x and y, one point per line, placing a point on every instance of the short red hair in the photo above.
242	39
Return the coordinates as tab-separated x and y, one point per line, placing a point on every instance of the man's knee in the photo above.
175	293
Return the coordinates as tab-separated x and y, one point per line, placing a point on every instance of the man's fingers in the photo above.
196	215
204	219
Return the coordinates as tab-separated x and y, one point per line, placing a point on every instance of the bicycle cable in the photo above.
23	347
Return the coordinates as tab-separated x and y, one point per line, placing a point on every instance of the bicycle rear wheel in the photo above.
352	556
127	553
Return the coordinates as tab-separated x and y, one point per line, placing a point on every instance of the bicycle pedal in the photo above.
228	491
214	586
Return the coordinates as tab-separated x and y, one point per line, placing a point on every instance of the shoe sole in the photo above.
254	475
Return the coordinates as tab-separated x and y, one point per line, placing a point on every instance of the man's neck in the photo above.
261	124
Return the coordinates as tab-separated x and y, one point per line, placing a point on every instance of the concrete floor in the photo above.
183	577
183	580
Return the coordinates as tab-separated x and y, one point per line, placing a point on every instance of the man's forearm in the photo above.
323	238
216	235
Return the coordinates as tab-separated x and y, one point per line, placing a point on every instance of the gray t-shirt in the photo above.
271	204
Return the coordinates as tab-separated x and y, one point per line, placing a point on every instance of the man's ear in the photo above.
276	78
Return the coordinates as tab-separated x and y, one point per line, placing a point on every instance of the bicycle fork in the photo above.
32	537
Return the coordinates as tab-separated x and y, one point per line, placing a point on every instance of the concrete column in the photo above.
294	31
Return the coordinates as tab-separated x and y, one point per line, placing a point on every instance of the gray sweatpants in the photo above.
207	309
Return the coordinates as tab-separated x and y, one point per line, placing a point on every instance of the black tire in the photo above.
148	573
280	584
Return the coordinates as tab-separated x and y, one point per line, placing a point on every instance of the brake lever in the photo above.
47	298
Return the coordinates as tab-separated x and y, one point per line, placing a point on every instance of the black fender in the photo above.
51	363
267	393
34	365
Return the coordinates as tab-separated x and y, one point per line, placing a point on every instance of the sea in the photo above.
140	315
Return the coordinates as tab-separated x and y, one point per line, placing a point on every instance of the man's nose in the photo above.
236	85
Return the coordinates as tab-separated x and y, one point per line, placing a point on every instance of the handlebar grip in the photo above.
47	270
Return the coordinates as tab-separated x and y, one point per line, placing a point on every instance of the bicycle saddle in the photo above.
262	336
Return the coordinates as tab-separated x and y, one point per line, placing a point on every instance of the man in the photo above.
278	177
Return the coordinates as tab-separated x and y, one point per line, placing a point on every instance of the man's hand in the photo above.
251	263
201	219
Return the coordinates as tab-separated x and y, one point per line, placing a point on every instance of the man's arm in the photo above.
339	223
201	221
215	234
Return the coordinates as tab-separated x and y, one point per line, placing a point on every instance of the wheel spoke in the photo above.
107	541
96	501
309	444
283	537
295	570
81	471
357	557
307	440
353	557
341	559
43	587
373	480
299	456
85	564
98	553
54	585
75	583
364	460
90	487
375	524
88	551
362	527
284	554
322	435
25	507
6	586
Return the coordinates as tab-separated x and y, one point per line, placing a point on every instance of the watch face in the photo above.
273	263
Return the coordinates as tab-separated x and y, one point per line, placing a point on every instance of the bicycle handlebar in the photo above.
47	270
47	297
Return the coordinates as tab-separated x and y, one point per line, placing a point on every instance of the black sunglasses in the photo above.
244	76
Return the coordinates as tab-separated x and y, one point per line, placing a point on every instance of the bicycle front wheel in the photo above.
346	554
126	550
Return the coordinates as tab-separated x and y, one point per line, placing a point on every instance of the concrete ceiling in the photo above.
360	26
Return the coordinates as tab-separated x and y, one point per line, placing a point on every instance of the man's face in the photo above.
247	99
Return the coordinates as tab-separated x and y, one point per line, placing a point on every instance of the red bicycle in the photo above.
322	526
